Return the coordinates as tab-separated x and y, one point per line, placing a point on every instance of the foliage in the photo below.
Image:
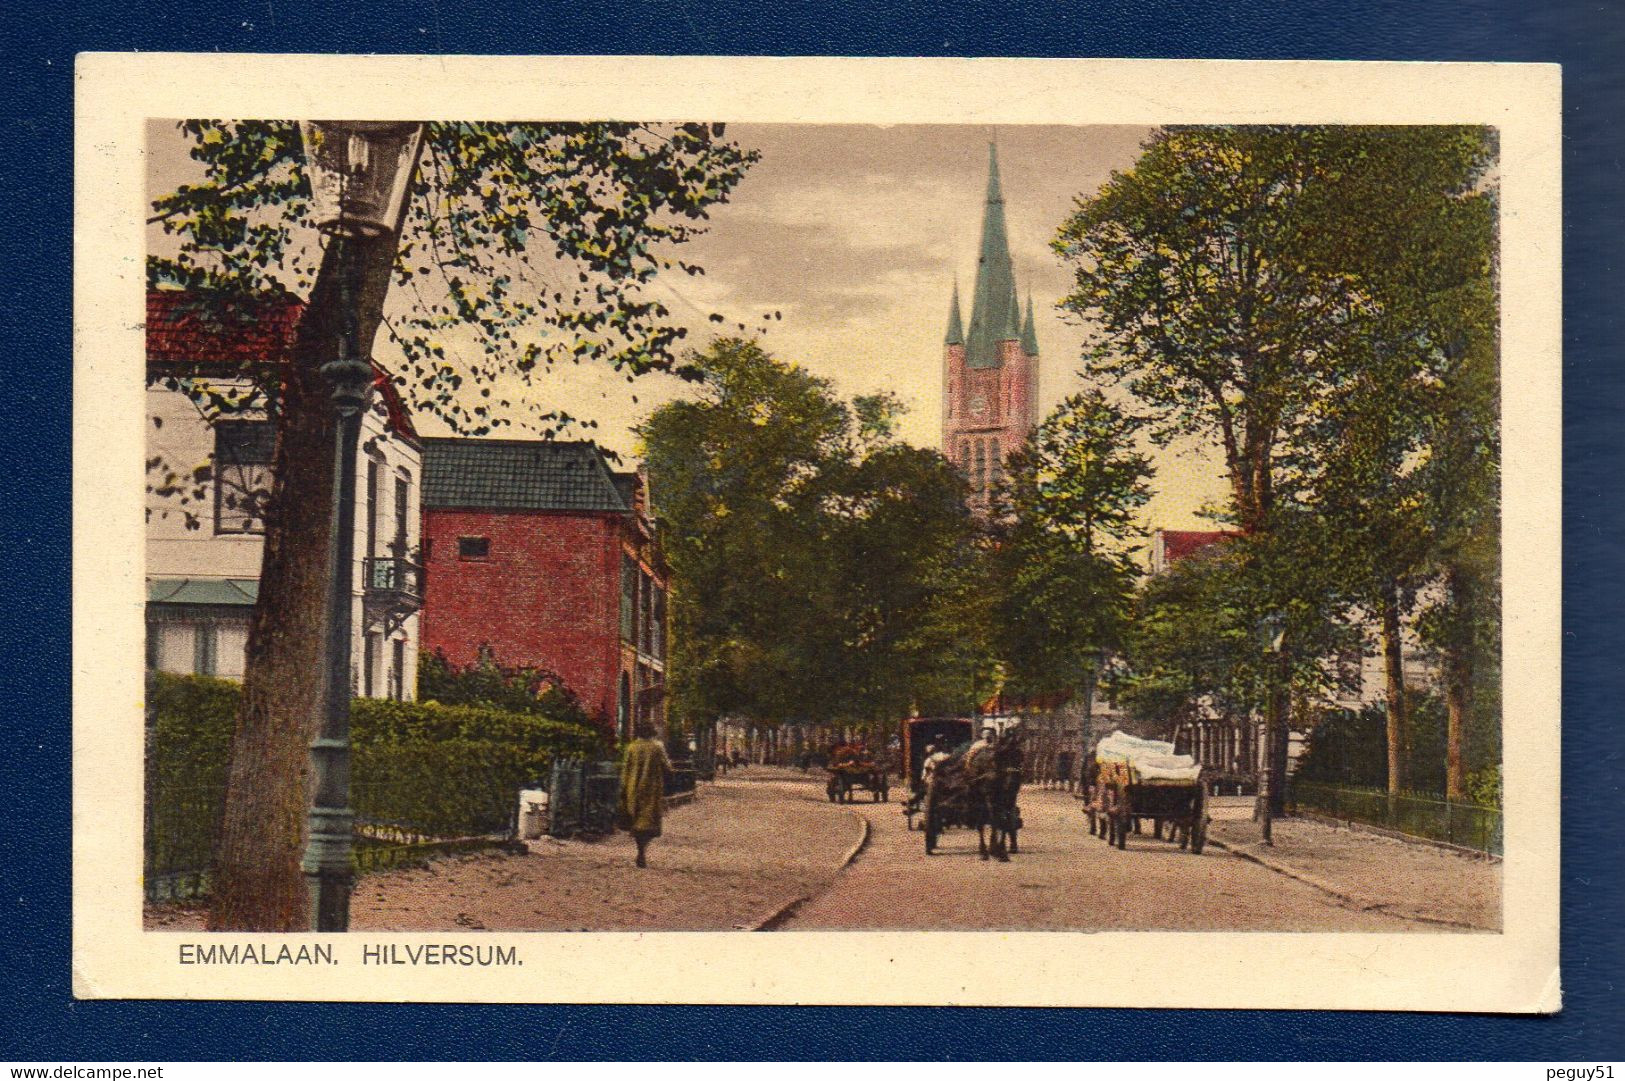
1319	302
1065	528
426	769
538	241
1194	645
1348	747
820	571
489	684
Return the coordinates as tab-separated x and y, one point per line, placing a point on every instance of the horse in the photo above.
994	779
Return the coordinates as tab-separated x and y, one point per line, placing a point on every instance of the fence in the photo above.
401	818
1419	814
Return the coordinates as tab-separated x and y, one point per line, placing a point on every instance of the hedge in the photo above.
420	770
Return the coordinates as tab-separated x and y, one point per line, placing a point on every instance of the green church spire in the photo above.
994	315
956	330
1029	334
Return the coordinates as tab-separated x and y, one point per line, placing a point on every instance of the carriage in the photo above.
977	790
850	777
944	733
1135	779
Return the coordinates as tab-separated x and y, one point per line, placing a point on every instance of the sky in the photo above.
856	234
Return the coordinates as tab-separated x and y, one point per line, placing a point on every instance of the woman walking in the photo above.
643	789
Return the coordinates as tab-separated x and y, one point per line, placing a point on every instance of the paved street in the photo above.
765	846
1063	879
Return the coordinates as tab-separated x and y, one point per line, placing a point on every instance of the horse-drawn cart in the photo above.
850	777
977	789
1136	779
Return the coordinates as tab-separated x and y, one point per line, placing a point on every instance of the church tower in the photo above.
990	370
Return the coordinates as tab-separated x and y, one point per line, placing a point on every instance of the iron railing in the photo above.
1419	814
395	577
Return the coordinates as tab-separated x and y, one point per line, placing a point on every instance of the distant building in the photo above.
203	554
1169	546
541	552
990	372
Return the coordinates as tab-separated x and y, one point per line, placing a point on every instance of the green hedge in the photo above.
534	740
420	770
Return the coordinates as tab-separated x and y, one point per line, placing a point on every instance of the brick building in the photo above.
990	372
540	551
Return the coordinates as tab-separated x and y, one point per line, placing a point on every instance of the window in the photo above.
980	485
629	599
397	670
403	490
155	642
369	663
374	493
203	649
242	474
660	624
473	547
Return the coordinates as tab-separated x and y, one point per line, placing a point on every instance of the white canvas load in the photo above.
1150	761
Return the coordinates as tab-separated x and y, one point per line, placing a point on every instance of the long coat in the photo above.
643	786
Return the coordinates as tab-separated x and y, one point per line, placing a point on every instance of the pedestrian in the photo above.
643	788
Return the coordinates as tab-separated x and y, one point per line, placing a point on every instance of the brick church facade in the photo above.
990	370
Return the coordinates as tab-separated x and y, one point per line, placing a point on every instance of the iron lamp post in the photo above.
1271	632
360	172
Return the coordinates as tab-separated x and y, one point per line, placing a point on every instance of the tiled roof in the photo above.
233	591
192	334
186	328
504	474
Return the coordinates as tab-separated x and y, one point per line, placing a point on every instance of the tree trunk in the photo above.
1457	672
257	883
1393	656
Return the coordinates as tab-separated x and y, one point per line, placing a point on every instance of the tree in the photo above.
1191	269
524	245
821	572
1296	294
1066	523
1397	412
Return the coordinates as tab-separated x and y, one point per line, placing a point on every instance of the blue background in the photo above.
42	1020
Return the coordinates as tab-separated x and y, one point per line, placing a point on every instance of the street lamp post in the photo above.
1271	631
1094	659
359	173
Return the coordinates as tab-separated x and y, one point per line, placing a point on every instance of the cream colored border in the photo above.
1512	971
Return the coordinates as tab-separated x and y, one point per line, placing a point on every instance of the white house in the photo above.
208	476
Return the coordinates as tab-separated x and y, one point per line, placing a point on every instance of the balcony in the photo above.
392	589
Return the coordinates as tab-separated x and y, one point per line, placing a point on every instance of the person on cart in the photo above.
933	759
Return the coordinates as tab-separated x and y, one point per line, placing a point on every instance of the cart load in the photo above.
1147	761
852	768
1137	778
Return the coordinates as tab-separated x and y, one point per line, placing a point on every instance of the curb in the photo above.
776	917
1347	899
858	845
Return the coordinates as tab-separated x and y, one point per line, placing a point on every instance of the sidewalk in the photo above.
1374	873
736	854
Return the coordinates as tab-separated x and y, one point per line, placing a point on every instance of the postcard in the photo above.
826	531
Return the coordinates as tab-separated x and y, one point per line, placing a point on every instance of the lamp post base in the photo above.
329	893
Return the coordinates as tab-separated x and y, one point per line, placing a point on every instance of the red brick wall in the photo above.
548	595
